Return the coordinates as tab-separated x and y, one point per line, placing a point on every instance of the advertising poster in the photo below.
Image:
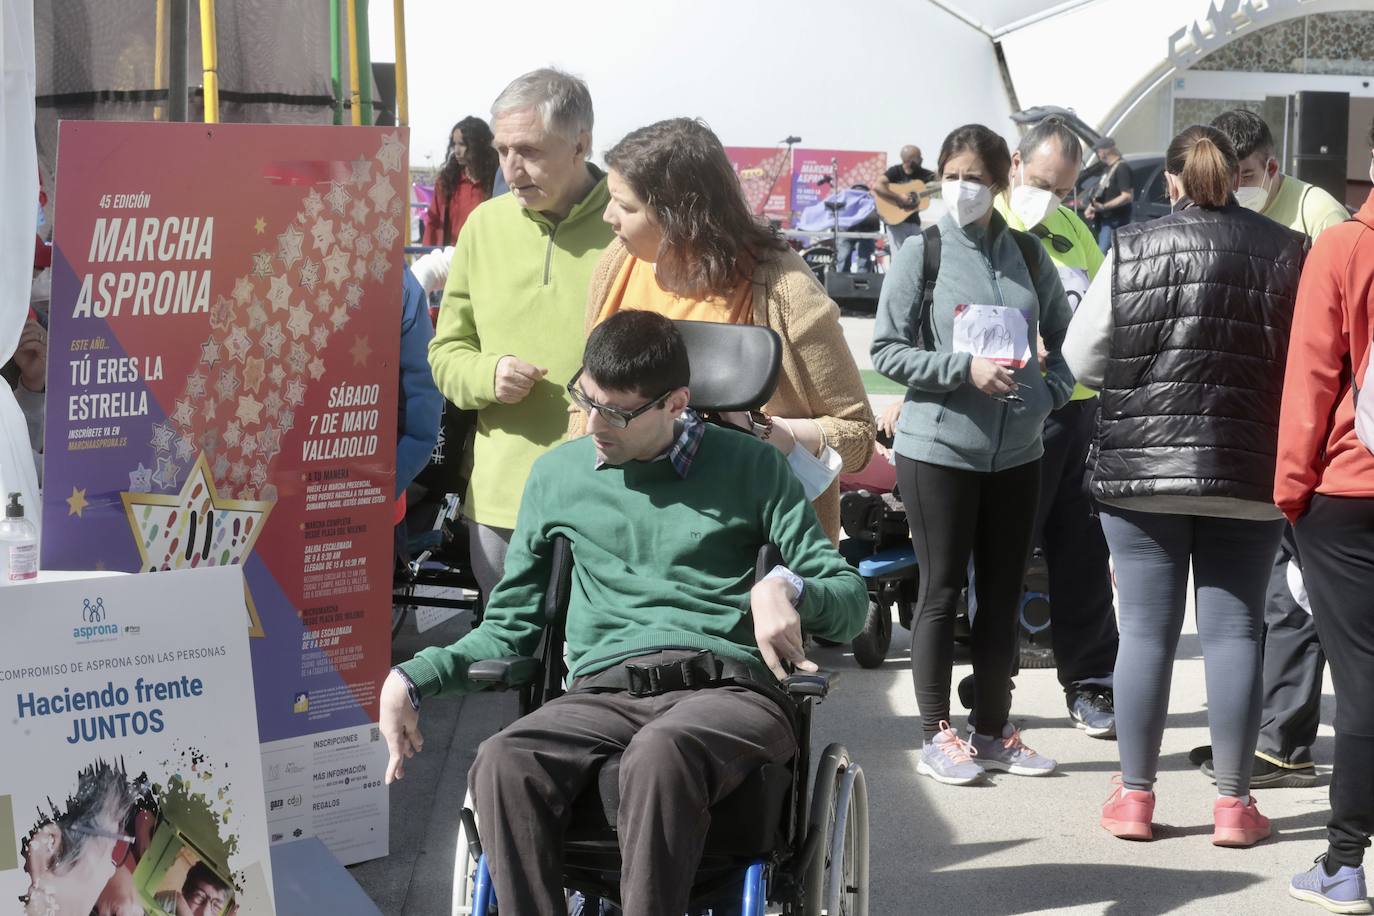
222	390
765	176
811	171
132	781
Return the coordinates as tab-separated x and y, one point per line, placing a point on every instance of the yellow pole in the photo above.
209	60
402	87
355	101
160	53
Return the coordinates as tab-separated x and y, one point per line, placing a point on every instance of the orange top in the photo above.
1332	326
636	287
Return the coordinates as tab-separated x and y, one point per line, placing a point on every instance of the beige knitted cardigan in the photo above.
819	378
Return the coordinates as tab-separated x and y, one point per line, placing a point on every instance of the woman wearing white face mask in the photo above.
961	309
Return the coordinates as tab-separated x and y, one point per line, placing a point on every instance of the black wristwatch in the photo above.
412	691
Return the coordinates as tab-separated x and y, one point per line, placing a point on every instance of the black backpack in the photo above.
1028	244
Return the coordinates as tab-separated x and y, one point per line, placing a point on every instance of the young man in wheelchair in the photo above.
674	653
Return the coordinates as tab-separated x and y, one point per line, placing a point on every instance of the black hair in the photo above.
1247	131
637	351
1051	128
202	874
987	145
482	161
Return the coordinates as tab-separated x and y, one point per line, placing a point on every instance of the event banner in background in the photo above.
222	390
128	707
810	166
765	175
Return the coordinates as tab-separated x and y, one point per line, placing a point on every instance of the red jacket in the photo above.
1332	325
445	218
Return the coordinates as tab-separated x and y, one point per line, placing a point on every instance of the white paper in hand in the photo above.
994	332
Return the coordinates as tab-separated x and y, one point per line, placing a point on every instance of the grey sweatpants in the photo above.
1230	560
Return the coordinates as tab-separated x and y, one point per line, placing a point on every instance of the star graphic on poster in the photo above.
238	472
396	209
336	267
360	269
258	476
195	385
228	384
243	290
338	318
269	442
185	414
186	448
323	234
289	246
363	247
166	474
254	371
280	293
300	217
271	405
237	344
319	337
221	467
310	275
140	479
162	437
381	193
361	171
276	375
233	434
248	445
338	196
324	300
260	225
287	420
209	440
380	265
208	409
296	359
359	211
317	368
313	204
299	322
209	352
262	264
272	339
250	410
77	503
391	153
386	233
353	296
360	351
221	314
347	233
295	394
257	316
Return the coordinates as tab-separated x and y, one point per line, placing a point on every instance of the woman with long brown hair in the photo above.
464	181
687	247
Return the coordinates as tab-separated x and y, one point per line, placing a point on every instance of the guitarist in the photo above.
909	169
1110	204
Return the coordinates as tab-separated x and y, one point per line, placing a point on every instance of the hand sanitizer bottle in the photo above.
18	545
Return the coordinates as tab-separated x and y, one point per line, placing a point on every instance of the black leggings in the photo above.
953	514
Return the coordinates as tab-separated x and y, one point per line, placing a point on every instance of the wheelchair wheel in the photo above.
464	865
872	643
836	880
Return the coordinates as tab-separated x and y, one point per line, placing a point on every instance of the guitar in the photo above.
893	214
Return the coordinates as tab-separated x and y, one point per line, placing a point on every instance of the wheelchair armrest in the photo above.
800	686
504	673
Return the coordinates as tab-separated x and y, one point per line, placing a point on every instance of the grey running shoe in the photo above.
1010	755
1092	710
1269	775
947	758
1343	892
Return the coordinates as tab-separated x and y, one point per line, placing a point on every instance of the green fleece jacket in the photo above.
659	561
517	287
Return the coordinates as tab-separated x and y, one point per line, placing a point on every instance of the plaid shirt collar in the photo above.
683	451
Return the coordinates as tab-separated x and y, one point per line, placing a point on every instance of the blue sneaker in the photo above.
1343	892
1009	754
1091	709
947	758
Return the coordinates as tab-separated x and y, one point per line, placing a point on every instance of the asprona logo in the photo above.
94	626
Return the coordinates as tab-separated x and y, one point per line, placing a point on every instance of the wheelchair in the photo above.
783	842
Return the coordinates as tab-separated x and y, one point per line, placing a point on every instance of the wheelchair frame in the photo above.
822	866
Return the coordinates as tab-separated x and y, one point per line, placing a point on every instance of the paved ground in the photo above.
1016	845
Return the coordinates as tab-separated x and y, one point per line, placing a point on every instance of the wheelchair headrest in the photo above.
734	366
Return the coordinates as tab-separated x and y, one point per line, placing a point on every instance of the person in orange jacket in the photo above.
1324	483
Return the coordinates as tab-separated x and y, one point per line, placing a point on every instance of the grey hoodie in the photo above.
945	419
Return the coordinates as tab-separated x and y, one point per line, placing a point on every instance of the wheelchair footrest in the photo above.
888	562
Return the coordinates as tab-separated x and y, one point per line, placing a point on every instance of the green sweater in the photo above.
658	560
517	287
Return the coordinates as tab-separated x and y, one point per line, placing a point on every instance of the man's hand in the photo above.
1090	212
515	379
777	627
400	725
32	357
912	201
990	378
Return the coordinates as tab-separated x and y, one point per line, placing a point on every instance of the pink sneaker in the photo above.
1126	814
1238	822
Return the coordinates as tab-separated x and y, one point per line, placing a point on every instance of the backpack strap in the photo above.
930	271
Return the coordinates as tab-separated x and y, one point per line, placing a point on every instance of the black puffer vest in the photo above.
1202	302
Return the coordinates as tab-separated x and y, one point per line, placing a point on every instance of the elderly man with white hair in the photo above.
510	330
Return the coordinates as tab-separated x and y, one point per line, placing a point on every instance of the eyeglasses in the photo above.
613	415
1011	396
1062	244
123	842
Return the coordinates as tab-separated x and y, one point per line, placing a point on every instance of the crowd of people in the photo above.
1155	398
